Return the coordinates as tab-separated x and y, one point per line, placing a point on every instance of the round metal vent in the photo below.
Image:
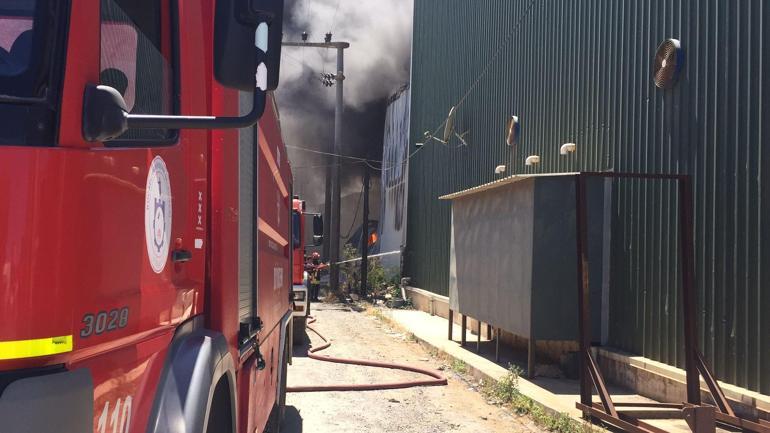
667	64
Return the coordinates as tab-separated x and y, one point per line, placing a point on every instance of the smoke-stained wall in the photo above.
581	72
395	170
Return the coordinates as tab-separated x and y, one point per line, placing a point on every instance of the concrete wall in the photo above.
663	382
642	375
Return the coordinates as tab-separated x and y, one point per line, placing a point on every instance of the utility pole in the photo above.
365	237
332	207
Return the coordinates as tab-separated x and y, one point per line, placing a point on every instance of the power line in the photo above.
355	158
494	57
328	165
358	160
355	215
334	17
290	57
404	161
325	59
497	53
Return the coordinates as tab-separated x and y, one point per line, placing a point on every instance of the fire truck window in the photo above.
20	71
15	43
295	229
136	59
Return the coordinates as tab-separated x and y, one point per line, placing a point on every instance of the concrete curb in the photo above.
541	397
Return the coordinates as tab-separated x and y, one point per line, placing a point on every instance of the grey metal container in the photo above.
513	255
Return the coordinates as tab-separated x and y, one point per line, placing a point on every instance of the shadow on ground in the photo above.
301	348
292	421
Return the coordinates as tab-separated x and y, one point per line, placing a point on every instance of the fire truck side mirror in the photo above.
247	43
247	56
104	113
318	230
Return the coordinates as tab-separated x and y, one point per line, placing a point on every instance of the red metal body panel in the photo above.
273	225
223	283
72	237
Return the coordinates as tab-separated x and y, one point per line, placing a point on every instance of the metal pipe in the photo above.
532	160
567	148
478	336
583	291
688	295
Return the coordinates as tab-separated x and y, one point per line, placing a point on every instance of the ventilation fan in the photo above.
668	62
512	131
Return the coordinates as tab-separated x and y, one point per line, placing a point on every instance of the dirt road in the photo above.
453	408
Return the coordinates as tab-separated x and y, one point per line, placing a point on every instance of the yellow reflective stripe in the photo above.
38	347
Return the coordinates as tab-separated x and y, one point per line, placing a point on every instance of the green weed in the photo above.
506	392
458	366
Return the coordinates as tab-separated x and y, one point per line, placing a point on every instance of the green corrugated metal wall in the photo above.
579	71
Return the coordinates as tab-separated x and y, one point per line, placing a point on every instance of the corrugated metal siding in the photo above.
581	72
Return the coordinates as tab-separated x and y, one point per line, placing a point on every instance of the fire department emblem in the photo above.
157	214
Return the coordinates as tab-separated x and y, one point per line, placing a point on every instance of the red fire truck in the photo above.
145	226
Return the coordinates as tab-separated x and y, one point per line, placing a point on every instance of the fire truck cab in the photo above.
144	237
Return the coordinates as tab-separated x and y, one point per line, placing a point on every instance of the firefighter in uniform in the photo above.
313	268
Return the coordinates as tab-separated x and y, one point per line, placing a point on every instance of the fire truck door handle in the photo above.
260	359
181	256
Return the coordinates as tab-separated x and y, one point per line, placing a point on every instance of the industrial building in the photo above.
583	73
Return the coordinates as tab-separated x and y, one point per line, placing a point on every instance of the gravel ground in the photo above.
453	408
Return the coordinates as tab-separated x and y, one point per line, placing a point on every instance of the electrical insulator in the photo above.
304	36
328	79
328	38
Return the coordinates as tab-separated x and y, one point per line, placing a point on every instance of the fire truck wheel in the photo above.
299	333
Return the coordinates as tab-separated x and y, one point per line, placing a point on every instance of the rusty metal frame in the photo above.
699	416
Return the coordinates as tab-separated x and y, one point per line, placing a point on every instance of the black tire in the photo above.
299	333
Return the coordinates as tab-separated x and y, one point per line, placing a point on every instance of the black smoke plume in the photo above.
376	65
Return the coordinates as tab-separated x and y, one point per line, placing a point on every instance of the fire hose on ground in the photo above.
437	378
